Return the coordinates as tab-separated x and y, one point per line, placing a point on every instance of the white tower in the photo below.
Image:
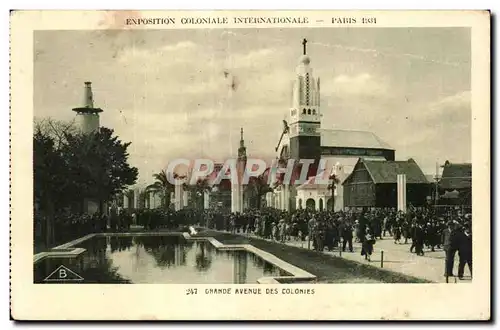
305	113
237	187
87	115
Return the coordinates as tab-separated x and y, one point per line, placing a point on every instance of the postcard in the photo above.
250	165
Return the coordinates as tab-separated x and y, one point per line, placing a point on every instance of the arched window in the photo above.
311	204
309	111
314	111
304	111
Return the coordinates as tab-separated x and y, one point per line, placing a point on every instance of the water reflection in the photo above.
203	258
240	267
159	259
118	243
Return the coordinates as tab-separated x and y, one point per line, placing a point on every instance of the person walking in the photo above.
465	251
419	240
367	244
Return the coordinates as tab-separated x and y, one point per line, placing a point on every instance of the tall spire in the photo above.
88	99
242	150
304	44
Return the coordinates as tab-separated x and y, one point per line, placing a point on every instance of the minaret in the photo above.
242	150
305	112
242	162
88	115
237	188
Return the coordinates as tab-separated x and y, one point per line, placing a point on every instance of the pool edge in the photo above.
297	274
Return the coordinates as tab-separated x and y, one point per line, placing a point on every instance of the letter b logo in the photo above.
62	273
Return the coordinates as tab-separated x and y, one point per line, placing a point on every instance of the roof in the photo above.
387	172
352	139
431	177
456	176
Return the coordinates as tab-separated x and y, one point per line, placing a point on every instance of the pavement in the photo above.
397	258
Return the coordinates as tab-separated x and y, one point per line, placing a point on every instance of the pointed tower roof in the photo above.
242	150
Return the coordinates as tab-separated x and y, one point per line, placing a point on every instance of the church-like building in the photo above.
305	138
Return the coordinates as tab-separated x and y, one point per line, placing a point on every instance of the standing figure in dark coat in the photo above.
432	236
345	230
397	233
419	240
413	229
367	245
465	251
449	246
406	229
319	237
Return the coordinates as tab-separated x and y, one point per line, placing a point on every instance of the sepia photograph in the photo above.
385	111
271	158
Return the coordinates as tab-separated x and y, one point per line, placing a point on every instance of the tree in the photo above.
97	163
163	186
334	181
70	166
260	187
49	184
57	130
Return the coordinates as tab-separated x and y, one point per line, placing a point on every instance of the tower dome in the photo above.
305	59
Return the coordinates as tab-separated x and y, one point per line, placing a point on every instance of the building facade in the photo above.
455	186
375	184
335	150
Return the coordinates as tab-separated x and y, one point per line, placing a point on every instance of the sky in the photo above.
166	91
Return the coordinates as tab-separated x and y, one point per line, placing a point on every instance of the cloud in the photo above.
168	54
363	84
379	53
442	130
182	45
454	108
260	57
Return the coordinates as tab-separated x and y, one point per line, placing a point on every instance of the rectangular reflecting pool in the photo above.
157	259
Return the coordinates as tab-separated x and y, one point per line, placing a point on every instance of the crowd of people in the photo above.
322	230
424	228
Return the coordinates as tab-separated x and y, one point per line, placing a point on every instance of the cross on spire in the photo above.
304	43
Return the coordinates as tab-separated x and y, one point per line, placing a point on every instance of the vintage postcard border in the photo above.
169	302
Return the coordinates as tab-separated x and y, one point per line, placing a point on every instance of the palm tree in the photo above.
334	181
260	187
163	187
